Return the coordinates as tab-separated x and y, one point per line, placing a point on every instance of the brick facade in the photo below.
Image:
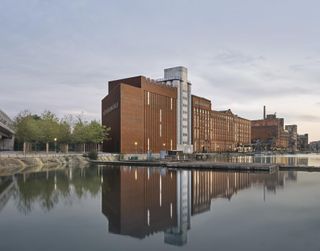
217	131
270	133
141	114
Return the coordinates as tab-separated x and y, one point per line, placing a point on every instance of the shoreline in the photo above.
210	165
15	162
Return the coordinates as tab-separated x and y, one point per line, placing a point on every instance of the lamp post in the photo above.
55	145
136	146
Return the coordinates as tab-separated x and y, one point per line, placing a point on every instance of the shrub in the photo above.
93	155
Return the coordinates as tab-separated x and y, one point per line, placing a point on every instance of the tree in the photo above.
49	128
27	128
92	132
64	134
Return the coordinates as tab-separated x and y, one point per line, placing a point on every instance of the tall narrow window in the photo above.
160	115
160	130
171	144
171	101
148	98
148	144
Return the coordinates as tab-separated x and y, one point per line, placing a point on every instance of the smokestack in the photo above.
264	112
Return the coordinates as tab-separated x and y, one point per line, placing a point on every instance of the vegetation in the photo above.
32	129
93	155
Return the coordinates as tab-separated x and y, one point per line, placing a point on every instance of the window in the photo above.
148	98
160	115
171	103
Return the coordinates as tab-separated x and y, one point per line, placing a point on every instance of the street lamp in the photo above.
136	146
55	145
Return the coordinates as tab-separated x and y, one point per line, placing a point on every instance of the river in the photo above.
127	208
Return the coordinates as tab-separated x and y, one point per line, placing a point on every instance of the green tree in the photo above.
64	134
49	128
92	132
27	128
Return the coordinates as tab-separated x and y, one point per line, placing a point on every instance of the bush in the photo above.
93	155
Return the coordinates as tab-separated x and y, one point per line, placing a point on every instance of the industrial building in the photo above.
269	133
141	114
218	131
148	115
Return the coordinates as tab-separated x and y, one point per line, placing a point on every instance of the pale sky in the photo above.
59	55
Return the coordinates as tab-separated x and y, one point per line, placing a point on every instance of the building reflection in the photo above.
208	185
139	202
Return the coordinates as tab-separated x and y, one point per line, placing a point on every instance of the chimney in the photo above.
264	112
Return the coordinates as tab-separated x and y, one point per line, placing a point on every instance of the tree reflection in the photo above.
48	189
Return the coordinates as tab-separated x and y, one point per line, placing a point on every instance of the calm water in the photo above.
157	209
284	159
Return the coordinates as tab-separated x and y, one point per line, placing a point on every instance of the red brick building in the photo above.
147	115
269	133
141	114
217	131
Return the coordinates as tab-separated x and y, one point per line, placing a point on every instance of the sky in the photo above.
59	55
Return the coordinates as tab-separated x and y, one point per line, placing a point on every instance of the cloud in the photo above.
59	55
307	118
229	57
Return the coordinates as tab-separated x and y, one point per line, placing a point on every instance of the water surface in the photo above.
126	208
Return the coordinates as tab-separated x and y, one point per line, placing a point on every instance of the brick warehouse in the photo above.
152	115
269	133
141	114
218	131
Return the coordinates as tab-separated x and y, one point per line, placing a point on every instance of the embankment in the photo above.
14	164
